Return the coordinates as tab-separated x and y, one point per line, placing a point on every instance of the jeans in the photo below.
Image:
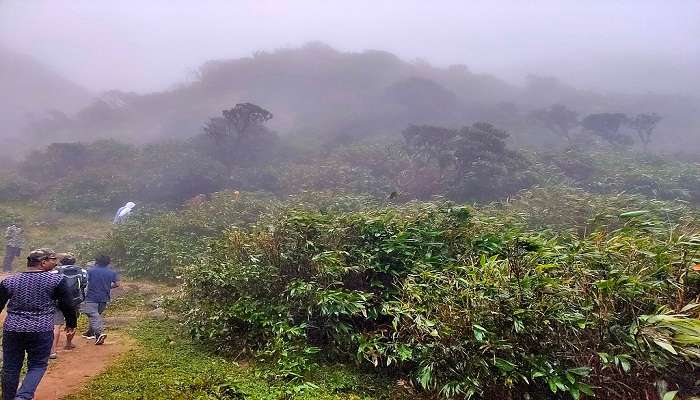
94	312
37	345
10	253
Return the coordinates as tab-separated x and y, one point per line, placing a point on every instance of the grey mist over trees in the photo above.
104	72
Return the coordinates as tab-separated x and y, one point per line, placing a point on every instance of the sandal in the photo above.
69	347
53	356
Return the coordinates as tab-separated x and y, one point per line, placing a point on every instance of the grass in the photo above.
164	364
57	230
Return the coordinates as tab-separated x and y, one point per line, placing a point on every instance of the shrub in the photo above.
171	173
13	188
462	304
152	243
90	191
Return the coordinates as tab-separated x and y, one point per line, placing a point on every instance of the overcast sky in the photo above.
150	45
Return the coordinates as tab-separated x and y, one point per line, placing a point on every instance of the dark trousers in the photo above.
10	253
37	346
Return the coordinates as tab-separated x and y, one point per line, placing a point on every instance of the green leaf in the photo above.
586	389
581	371
625	364
575	393
666	346
632	214
670	395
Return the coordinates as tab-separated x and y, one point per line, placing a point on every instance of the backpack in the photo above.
76	279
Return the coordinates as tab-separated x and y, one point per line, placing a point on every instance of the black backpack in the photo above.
76	279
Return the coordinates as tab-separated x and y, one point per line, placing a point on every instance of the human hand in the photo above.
70	331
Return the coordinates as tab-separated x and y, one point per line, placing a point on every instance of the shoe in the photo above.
101	339
86	336
53	356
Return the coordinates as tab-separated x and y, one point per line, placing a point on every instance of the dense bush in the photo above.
13	188
461	303
608	172
171	172
151	243
154	243
90	191
8	217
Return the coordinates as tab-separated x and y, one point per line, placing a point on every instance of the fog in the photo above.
607	46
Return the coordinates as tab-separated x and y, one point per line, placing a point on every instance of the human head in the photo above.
44	259
66	259
130	205
102	260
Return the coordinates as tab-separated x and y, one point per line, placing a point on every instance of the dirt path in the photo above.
74	368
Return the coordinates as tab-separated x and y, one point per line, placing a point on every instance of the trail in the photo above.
73	369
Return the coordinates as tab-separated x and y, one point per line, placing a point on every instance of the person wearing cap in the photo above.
123	213
31	297
14	241
77	279
101	280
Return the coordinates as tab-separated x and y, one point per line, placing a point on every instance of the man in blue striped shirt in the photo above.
31	297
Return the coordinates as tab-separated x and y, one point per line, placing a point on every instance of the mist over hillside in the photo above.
320	94
31	90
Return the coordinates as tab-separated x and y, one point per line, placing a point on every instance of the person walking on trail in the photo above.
123	213
77	279
101	280
31	297
14	242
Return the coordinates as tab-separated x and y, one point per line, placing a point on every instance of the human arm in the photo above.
4	295
64	301
115	280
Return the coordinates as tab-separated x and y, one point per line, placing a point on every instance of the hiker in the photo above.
77	279
14	241
101	280
31	297
123	213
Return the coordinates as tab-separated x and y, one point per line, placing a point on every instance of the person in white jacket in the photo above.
123	213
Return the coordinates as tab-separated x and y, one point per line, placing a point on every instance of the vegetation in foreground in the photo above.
557	294
167	366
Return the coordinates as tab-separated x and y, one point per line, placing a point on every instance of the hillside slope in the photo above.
316	92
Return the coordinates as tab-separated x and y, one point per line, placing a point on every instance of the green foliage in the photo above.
152	243
167	366
170	173
469	164
607	172
463	305
8	217
13	188
95	191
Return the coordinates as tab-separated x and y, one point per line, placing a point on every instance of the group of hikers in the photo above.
43	300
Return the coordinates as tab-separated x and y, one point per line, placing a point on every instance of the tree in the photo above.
607	126
471	163
558	119
428	143
238	121
239	136
644	124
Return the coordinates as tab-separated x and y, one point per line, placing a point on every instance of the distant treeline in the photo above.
237	151
321	96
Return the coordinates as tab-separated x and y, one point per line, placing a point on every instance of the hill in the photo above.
36	92
321	94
